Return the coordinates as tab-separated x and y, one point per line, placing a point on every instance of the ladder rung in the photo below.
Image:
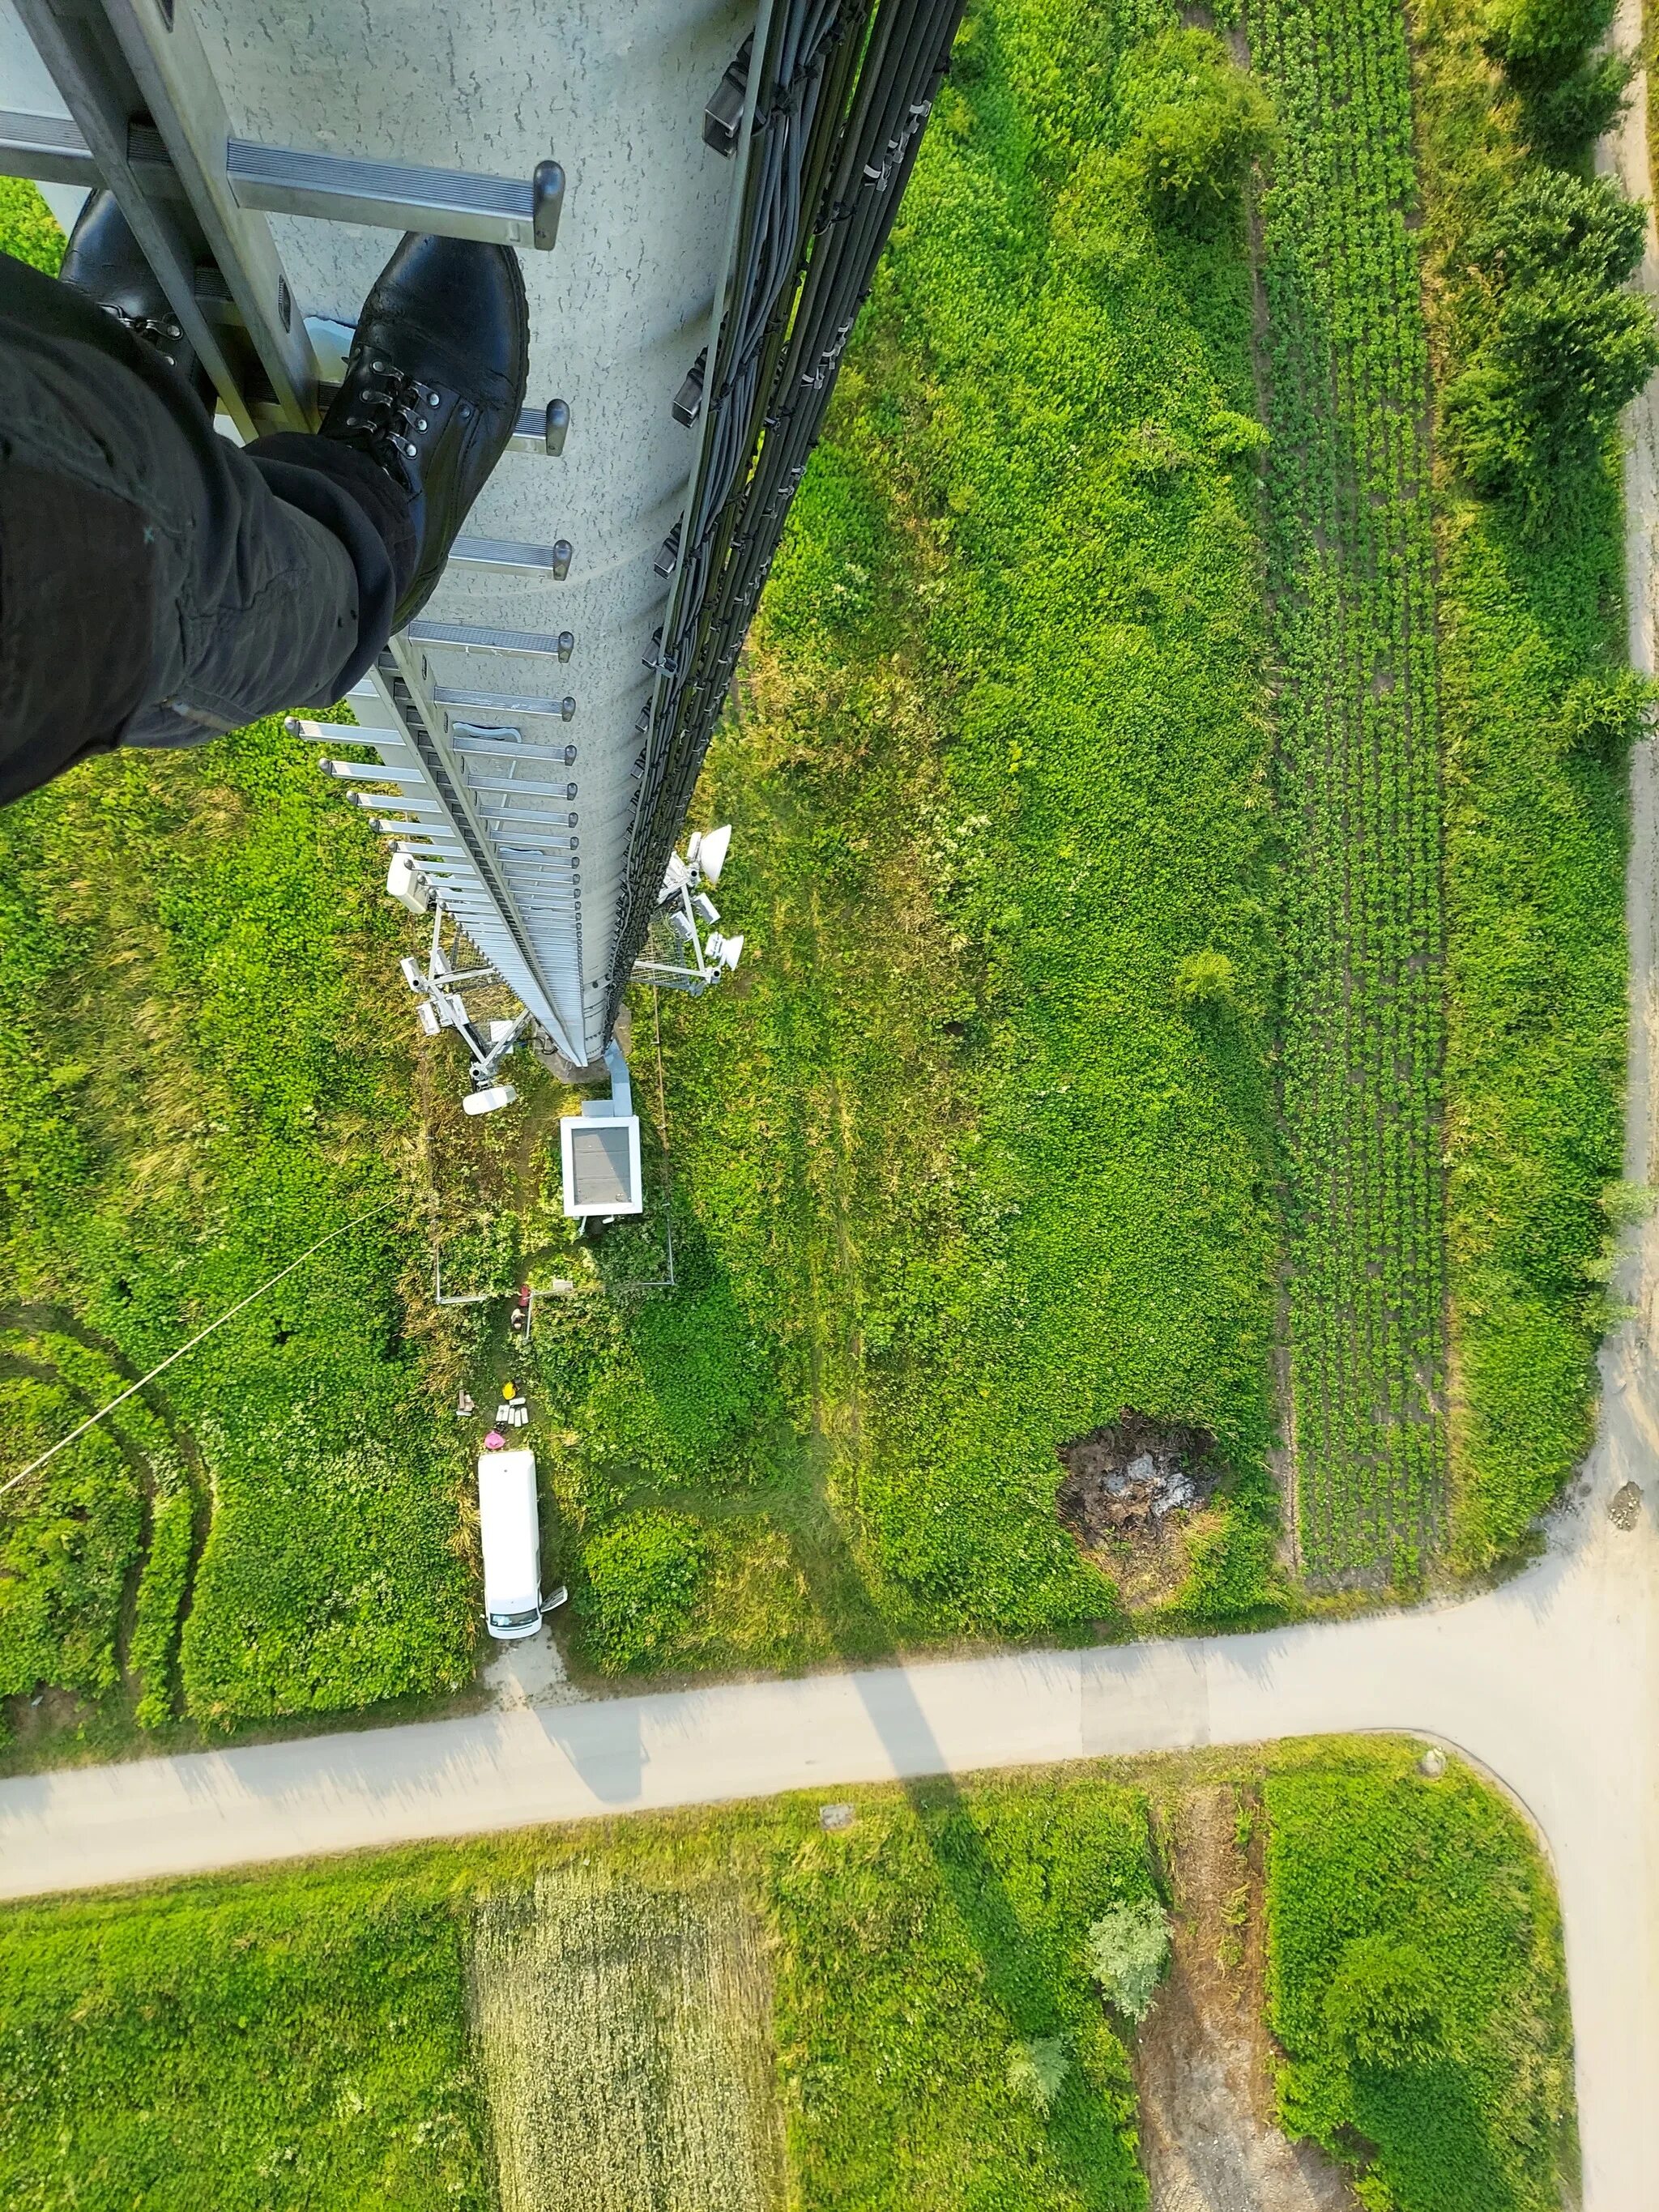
522	790
373	772
469	638
525	819
503	703
541	429
396	195
47	148
537	755
346	733
508	553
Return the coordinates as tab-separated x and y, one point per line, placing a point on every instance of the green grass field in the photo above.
963	1171
1415	1982
740	2009
1179	833
1538	723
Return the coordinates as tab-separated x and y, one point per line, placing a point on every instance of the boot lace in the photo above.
384	408
159	330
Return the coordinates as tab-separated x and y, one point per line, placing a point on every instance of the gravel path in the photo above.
1549	1682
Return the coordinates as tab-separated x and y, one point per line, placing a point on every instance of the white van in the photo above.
510	1527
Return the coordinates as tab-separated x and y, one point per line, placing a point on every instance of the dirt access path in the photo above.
1203	2062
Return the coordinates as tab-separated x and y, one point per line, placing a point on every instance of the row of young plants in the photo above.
1350	553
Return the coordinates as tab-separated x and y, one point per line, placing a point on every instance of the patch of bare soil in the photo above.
1203	2060
1128	1495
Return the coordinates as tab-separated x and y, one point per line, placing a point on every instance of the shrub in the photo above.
1380	2008
1037	2067
1414	1983
1538	41
1566	348
1568	92
1206	979
1196	125
1130	1954
1604	713
1560	121
1235	437
641	1579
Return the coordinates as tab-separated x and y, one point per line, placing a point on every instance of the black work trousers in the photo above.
160	585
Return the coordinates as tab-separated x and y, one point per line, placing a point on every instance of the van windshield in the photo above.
514	1620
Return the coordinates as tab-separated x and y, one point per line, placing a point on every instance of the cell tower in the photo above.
700	195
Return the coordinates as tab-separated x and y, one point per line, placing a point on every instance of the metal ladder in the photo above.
700	193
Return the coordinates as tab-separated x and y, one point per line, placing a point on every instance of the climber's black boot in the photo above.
105	260
434	384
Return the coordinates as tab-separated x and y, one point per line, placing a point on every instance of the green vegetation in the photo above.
248	2045
1538	713
624	2037
28	228
1352	551
1167	902
1569	89
303	2038
922	2010
979	1148
227	1095
196	1084
1415	1982
1196	125
1130	1954
69	1545
1565	347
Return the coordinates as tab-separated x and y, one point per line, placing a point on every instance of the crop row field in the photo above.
1350	546
934	2001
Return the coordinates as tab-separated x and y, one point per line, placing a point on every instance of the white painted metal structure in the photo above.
537	738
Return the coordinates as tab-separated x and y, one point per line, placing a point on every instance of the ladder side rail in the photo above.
164	50
519	963
96	84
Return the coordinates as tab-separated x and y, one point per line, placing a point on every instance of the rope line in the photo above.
93	1419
